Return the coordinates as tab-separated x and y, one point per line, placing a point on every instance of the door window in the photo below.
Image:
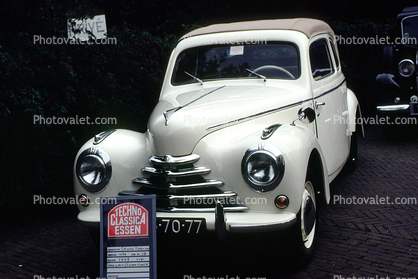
321	65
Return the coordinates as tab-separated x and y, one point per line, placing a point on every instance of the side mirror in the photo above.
306	116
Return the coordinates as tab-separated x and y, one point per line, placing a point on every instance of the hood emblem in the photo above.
267	132
102	136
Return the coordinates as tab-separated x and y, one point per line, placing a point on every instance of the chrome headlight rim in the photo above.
401	66
103	165
274	155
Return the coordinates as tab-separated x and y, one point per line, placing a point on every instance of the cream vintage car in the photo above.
253	122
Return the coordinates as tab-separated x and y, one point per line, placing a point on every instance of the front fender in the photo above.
128	152
355	123
304	150
223	151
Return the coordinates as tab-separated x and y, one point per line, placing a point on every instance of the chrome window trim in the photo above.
402	29
330	60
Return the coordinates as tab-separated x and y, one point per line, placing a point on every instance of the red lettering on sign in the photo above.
127	220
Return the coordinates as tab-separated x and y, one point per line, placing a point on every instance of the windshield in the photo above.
410	30
269	61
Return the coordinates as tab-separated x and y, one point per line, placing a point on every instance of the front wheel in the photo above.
305	236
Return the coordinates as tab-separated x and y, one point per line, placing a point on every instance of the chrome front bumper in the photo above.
394	108
405	109
235	222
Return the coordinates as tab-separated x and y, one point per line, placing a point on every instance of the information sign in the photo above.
128	237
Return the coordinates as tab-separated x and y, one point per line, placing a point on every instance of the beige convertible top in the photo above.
307	26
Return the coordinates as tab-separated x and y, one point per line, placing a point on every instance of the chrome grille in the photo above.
180	186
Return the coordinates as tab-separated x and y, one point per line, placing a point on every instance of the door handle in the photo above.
317	105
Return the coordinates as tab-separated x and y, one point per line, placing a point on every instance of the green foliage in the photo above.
119	81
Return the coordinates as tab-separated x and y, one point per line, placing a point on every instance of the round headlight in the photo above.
263	167
93	169
406	68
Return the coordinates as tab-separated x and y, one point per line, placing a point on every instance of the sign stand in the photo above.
128	237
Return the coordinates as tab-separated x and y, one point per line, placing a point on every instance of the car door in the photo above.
330	102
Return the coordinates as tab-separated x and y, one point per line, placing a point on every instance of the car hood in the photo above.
179	121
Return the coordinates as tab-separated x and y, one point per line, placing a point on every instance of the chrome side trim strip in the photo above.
330	90
255	115
392	108
272	110
179	173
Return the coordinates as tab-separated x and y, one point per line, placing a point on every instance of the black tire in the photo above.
305	229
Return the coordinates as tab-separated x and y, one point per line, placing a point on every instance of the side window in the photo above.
320	59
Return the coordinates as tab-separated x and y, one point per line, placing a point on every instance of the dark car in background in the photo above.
397	86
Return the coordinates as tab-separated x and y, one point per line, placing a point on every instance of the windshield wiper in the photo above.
257	74
168	113
193	77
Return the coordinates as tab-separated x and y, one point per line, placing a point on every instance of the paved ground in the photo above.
356	236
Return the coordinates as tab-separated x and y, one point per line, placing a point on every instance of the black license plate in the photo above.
181	225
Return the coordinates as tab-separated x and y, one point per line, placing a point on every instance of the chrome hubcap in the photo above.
308	215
